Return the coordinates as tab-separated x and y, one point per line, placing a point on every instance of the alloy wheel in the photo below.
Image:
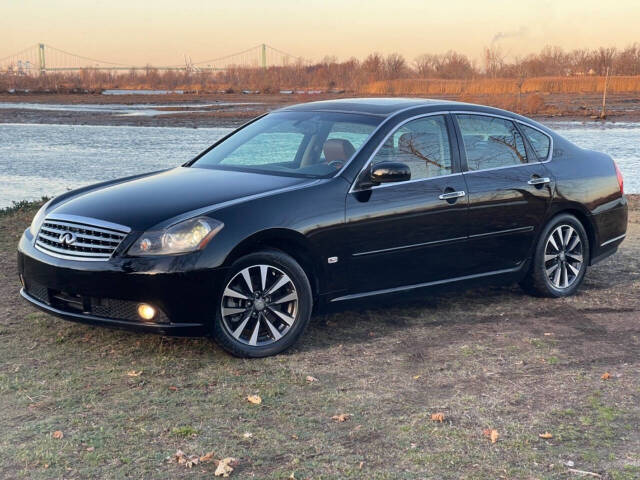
563	256
259	305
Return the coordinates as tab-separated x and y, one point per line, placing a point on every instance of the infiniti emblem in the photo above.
67	238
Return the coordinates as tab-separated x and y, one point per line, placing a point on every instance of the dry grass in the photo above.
501	86
492	358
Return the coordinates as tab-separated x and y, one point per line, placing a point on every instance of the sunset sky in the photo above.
161	32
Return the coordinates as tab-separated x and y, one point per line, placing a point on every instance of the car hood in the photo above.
145	201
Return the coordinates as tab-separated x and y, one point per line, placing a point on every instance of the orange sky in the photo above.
161	32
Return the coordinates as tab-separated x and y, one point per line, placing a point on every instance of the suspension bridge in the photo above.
41	58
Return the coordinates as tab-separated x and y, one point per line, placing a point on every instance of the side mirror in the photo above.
388	172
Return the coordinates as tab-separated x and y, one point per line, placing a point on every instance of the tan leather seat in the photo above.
338	150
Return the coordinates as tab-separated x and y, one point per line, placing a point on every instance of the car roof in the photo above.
388	106
372	106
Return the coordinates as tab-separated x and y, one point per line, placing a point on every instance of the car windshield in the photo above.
306	144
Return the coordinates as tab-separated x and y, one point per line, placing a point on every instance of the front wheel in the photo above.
265	305
560	260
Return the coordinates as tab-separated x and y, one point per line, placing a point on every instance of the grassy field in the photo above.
491	358
501	86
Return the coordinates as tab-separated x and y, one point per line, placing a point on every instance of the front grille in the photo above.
79	240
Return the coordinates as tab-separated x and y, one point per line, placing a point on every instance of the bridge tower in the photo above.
41	59
264	55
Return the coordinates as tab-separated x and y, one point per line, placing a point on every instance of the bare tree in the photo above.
395	66
493	60
426	65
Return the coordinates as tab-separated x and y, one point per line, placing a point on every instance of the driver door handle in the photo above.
450	195
539	181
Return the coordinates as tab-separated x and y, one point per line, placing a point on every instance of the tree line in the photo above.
351	74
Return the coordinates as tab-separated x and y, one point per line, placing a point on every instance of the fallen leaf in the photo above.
606	376
181	459
173	389
176	457
492	434
90	449
545	435
225	467
416	377
133	373
247	434
343	417
361	465
57	435
311	379
437	417
547	334
255	399
206	457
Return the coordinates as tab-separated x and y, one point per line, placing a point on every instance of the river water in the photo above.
45	160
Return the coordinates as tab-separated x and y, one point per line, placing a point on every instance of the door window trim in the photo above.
452	146
463	154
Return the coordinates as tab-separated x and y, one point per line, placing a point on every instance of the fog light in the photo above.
146	311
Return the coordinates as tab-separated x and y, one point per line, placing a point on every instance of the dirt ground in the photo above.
487	359
228	110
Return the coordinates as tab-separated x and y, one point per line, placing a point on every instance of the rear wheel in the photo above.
560	260
265	305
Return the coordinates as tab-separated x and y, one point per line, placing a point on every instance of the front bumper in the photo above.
107	293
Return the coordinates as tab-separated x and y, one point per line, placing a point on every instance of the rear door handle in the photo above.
539	181
450	195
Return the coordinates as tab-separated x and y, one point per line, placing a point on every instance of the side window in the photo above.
422	144
540	142
491	142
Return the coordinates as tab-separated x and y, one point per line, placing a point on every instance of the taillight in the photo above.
620	179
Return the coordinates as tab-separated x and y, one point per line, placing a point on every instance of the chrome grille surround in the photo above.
79	238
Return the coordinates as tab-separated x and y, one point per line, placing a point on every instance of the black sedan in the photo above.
325	202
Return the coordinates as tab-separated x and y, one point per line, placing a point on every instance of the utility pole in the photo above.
41	60
264	56
603	113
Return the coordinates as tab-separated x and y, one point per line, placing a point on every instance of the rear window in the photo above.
539	141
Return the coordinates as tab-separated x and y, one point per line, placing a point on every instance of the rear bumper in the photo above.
611	226
108	293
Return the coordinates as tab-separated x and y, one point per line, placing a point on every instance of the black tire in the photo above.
538	281
280	266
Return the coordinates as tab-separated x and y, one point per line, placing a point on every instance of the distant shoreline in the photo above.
564	106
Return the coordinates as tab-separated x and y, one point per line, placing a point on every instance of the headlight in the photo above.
38	219
183	237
